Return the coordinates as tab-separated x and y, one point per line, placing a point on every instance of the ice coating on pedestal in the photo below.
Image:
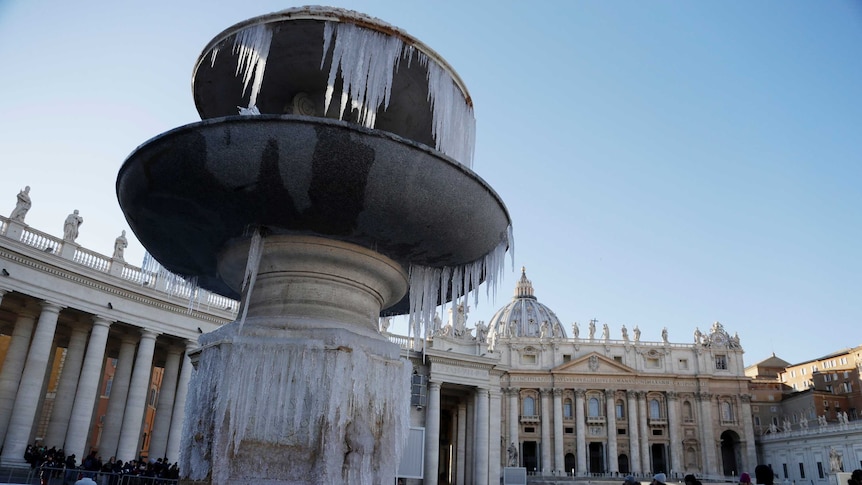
301	395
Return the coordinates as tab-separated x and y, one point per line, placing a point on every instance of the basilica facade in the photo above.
525	392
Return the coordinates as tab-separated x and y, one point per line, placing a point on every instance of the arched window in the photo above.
687	412
621	409
654	409
593	407
567	409
726	411
529	406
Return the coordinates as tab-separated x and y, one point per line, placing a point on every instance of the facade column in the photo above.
514	422
645	451
610	410
709	463
461	443
470	439
495	434
30	389
117	400
634	440
66	388
13	366
164	408
546	432
674	433
139	386
559	462
178	414
581	430
88	389
432	434
482	435
748	426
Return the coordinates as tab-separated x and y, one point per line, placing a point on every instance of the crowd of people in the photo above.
53	464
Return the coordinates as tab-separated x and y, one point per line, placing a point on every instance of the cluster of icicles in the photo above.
367	61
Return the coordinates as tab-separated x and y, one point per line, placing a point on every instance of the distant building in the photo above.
806	416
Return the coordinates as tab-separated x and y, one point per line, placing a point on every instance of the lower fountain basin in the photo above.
190	192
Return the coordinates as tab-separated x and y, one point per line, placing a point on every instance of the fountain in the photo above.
343	184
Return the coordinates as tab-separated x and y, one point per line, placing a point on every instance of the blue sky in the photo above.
664	163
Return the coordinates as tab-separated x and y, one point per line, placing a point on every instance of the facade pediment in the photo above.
593	363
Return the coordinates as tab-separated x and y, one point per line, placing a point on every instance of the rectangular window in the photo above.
683	364
801	470
827	378
803	371
618	358
108	386
570	430
721	362
784	465
793	373
528	359
529	429
757	420
621	431
820	470
656	432
567	357
653	363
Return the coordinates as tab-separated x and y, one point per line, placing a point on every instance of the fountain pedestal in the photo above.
295	394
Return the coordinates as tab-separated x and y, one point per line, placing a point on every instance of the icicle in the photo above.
428	283
252	44
255	251
367	61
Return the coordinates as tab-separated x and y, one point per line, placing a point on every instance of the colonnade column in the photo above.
674	432
164	408
88	388
581	429
642	418
546	431
30	387
432	434
709	464
139	386
559	463
178	414
610	408
495	422
13	366
514	422
460	459
470	439
482	435
66	388
117	399
748	426
634	440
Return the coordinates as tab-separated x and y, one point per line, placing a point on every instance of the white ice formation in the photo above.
367	61
316	402
430	285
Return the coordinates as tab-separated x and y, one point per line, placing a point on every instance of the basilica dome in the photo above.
524	316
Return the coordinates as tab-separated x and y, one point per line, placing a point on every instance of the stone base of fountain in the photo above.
305	390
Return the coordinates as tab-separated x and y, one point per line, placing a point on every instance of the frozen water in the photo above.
334	415
252	44
427	283
255	251
367	61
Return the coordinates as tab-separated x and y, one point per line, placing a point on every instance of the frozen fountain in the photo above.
343	185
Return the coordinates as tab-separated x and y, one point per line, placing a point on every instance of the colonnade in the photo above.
29	362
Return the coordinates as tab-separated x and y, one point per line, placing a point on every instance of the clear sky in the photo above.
665	163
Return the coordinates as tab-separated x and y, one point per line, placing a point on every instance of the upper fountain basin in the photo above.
336	63
189	192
